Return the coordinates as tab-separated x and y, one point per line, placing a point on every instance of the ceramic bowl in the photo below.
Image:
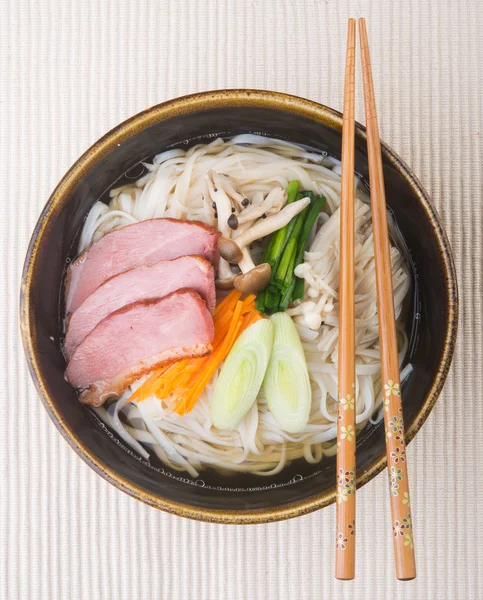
239	498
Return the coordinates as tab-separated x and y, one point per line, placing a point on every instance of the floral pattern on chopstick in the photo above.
342	539
348	402
391	389
398	454
347	433
402	527
395	475
346	485
346	476
396	426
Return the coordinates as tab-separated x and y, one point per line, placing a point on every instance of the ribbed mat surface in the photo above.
69	71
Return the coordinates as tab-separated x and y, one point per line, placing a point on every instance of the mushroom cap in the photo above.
225	284
254	281
229	250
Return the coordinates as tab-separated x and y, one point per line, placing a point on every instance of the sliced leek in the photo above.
286	383
242	375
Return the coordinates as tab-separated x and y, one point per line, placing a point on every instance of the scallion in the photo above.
286	384
242	375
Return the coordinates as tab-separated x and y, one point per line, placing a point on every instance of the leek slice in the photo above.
286	383
242	375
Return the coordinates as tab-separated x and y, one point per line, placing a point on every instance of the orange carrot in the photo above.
211	367
172	378
228	303
150	385
215	359
251	318
249	302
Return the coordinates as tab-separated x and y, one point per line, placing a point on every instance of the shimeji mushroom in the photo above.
309	311
274	216
255	280
230	250
271	205
223	207
264	227
239	201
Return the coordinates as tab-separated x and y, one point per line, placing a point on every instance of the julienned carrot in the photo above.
228	303
251	318
222	320
171	379
150	385
188	401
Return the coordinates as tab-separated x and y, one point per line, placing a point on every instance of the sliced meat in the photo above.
141	283
136	339
143	243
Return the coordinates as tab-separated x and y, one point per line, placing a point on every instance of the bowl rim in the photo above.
240	98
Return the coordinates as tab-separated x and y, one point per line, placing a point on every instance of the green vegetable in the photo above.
285	266
285	251
277	240
286	384
289	293
276	244
242	375
299	289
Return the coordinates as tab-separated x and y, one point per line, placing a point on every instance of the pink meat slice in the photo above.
141	283
135	340
143	243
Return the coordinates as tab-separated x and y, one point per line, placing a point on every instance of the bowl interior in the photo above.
55	240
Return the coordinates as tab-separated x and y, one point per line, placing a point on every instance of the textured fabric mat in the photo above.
69	71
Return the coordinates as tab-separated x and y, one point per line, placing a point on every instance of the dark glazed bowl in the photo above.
238	498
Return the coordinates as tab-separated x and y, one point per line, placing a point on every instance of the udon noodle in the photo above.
173	187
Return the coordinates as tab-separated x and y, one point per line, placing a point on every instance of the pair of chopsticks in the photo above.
393	417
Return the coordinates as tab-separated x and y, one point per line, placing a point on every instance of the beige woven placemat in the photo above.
69	71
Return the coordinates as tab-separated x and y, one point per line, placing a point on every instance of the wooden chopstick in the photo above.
346	429
402	529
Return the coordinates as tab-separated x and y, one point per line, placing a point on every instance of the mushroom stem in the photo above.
224	271
246	264
223	204
225	276
271	205
231	191
264	227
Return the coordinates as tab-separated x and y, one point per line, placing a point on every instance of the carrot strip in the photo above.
174	379
249	301
251	318
214	364
222	320
149	386
228	303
